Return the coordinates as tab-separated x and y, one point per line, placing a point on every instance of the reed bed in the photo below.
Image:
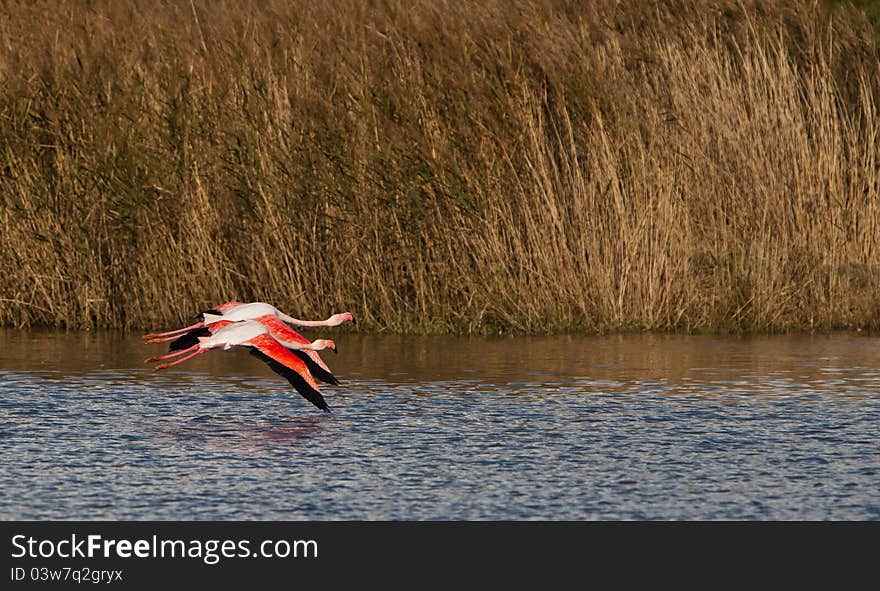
441	166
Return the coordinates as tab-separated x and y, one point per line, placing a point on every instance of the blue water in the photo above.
634	427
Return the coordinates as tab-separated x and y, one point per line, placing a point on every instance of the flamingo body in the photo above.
243	312
235	313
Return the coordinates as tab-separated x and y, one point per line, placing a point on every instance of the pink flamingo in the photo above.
278	329
256	336
236	311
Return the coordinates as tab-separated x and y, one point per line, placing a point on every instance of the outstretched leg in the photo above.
182	359
179	331
155	340
172	354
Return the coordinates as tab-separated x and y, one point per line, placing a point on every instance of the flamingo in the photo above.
234	312
282	333
256	336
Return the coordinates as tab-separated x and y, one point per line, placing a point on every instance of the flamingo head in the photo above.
324	344
341	318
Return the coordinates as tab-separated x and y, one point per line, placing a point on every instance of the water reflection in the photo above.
211	431
622	427
604	361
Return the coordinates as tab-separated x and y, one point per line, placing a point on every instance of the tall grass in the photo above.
441	165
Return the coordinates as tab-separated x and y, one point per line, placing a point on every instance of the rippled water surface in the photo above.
623	427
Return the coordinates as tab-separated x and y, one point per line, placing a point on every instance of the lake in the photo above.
628	427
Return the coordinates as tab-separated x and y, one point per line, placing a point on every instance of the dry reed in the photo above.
441	166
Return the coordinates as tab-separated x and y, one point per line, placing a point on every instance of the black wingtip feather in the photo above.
189	339
316	370
296	380
201	315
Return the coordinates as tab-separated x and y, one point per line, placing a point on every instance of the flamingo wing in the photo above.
317	367
283	362
313	361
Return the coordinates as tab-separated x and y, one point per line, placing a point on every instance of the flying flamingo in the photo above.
234	312
256	336
282	333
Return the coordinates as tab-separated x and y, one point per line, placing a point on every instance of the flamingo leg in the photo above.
176	332
154	340
182	359
172	354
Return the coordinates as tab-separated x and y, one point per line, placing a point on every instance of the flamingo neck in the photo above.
305	323
299	346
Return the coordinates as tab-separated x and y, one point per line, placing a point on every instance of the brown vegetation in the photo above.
441	165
